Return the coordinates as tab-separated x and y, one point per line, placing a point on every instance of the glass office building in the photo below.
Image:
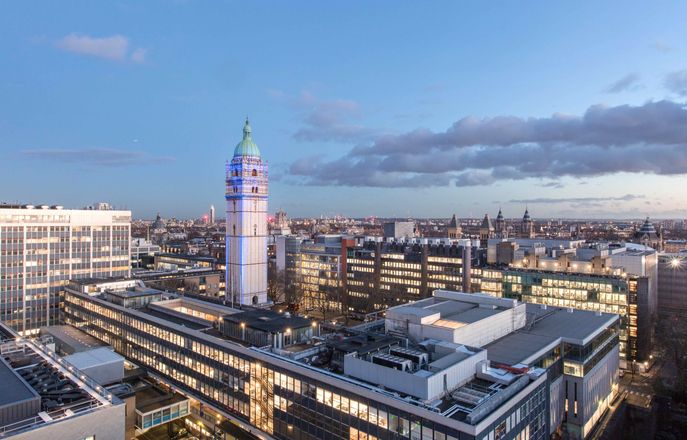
41	248
292	399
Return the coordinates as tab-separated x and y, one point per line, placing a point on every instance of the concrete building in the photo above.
383	380
246	195
46	397
42	247
399	229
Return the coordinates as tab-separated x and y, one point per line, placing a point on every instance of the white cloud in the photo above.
114	47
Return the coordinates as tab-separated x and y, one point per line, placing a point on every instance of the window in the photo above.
254	173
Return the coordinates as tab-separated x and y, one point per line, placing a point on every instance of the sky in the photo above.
384	108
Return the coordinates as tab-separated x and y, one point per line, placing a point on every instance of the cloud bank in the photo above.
650	138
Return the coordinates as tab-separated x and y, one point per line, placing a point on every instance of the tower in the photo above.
527	227
486	230
246	234
500	226
454	229
212	214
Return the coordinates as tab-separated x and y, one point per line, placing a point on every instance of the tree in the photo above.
276	283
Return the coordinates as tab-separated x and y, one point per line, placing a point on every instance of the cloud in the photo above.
651	138
325	120
676	82
107	157
580	200
629	82
115	47
662	47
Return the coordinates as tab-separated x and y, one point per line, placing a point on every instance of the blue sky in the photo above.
361	108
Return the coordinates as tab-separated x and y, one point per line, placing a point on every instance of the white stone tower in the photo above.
246	195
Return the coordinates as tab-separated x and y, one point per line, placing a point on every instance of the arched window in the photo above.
234	229
234	205
236	173
254	173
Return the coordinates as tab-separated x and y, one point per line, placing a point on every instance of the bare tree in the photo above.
276	283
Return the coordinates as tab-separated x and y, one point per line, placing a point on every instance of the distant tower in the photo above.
454	229
246	195
500	226
212	214
486	230
527	226
649	236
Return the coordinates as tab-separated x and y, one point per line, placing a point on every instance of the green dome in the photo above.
246	147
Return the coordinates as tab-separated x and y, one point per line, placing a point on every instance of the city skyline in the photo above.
396	112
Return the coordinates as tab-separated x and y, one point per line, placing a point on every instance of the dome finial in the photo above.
246	129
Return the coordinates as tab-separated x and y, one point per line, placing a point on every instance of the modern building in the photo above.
246	195
382	274
212	218
425	372
399	229
42	247
672	284
143	253
44	396
315	269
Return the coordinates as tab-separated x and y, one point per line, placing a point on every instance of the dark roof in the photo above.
268	320
175	319
14	388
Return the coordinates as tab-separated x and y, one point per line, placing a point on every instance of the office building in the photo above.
246	233
212	215
315	269
426	371
42	247
383	274
672	284
399	229
45	396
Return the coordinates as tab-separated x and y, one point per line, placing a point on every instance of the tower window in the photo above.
255	229
234	229
254	173
236	173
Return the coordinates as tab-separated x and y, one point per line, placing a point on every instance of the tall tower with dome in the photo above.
246	235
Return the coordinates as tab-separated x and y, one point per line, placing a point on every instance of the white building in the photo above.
246	195
43	247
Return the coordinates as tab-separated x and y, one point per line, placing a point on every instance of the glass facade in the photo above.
285	400
41	249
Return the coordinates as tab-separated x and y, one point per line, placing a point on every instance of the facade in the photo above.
41	248
454	230
246	195
672	285
425	372
46	397
384	274
486	229
314	269
527	226
399	229
627	296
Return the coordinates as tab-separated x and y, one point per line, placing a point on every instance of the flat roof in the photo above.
73	338
268	320
518	347
14	388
